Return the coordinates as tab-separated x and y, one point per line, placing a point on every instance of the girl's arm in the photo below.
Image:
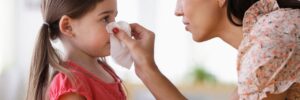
72	96
142	51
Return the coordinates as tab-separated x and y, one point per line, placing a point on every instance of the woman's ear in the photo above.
222	3
65	26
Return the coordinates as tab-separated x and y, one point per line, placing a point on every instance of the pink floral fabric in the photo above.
269	55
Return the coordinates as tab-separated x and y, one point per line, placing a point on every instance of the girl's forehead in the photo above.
106	6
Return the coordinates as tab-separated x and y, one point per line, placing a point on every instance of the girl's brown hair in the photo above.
46	62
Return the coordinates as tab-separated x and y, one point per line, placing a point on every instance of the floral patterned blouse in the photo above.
269	55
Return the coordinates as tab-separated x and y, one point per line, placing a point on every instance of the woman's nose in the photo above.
178	10
178	13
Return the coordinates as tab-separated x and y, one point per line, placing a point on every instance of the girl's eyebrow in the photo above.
107	12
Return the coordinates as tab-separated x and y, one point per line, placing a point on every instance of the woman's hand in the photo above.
141	47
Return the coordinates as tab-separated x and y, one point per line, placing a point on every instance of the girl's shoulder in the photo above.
63	84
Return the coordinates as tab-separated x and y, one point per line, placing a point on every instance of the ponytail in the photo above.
40	71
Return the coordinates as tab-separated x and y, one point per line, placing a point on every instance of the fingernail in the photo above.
116	30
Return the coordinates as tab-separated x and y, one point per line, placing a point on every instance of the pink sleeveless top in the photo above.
87	85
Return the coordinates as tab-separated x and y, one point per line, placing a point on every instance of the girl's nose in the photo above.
178	10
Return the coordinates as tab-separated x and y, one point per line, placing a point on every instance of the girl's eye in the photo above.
106	19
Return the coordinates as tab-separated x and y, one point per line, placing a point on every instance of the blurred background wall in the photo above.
200	70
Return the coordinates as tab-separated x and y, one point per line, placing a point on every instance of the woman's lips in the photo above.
186	28
186	25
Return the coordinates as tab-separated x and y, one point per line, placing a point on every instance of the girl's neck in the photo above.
91	64
82	59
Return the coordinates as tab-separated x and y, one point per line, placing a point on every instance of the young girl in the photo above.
81	75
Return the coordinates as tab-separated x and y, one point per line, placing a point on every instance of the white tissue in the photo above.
119	52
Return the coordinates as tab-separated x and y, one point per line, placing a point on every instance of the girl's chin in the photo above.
106	54
103	54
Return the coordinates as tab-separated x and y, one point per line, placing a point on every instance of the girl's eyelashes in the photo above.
107	19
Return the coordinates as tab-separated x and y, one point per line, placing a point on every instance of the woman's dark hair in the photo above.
237	8
46	62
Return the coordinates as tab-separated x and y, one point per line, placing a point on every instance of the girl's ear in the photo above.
65	26
222	3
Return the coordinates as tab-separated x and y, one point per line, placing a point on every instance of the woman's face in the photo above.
201	17
91	36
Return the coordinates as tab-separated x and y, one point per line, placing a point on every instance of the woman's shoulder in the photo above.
267	15
280	21
281	17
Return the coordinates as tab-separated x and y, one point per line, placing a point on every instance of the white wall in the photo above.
19	26
7	33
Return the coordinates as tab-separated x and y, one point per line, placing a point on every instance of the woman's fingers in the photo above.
138	28
122	36
140	32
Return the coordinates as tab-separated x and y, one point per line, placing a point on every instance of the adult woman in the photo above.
265	32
